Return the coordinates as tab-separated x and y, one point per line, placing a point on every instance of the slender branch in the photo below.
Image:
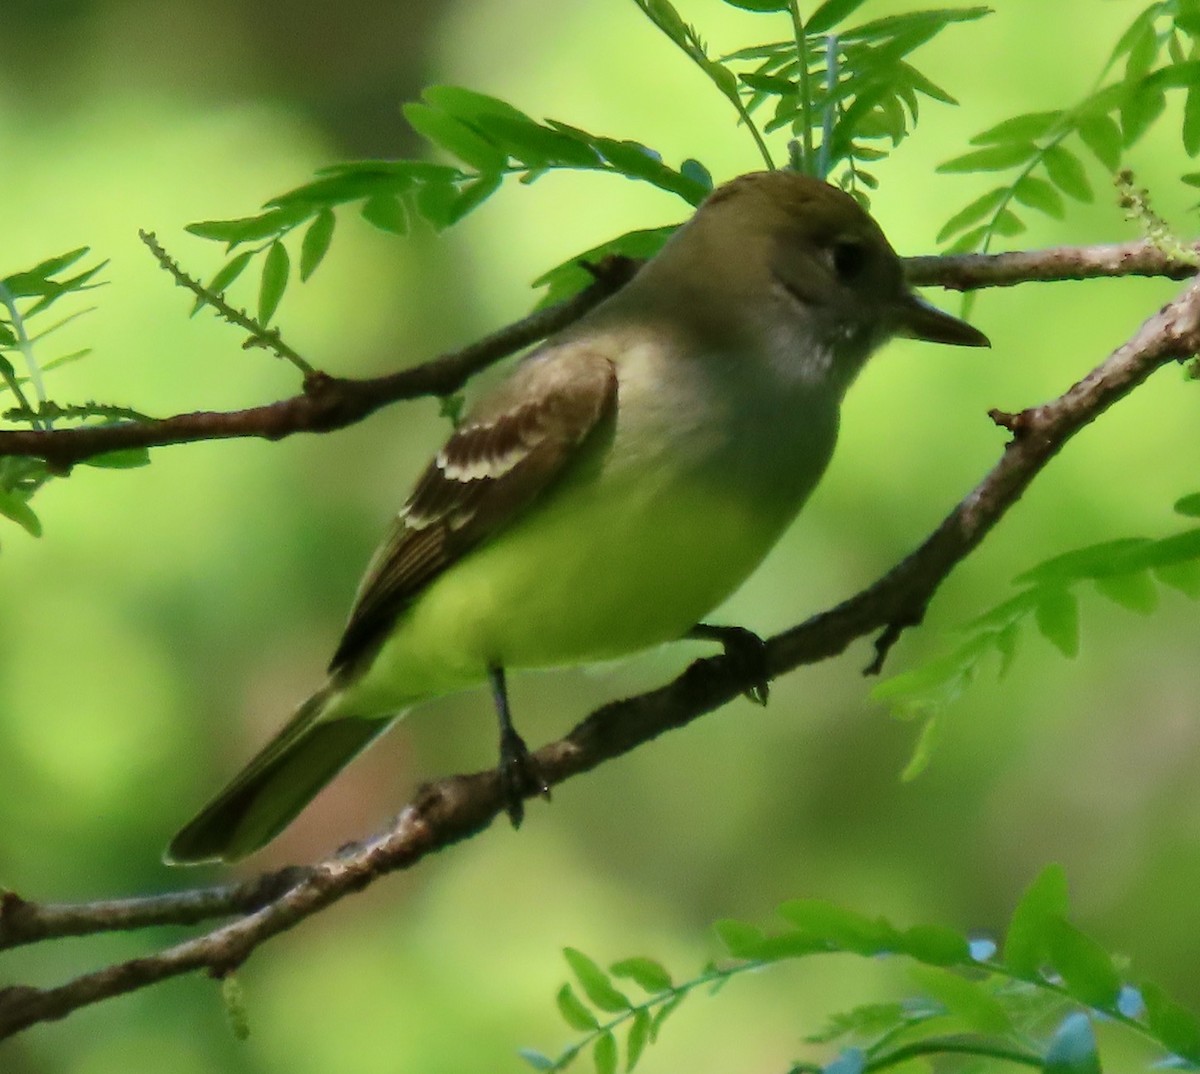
260	336
329	403
460	806
969	272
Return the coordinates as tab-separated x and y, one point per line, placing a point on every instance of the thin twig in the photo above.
326	403
260	336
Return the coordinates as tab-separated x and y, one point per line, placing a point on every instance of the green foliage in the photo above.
849	97
25	297
1129	572
1036	1005
843	96
1041	151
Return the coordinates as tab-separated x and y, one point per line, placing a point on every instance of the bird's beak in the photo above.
918	319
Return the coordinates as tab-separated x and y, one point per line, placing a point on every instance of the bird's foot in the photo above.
519	774
746	651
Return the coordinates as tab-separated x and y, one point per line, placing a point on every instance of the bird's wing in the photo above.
507	452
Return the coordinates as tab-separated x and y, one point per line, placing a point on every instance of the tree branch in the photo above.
460	806
328	402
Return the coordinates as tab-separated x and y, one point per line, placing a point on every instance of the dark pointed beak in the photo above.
918	319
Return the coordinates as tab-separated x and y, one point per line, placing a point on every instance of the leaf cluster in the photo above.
847	96
489	139
1128	571
1042	151
25	298
1034	1000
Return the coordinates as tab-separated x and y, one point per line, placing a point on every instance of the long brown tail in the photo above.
266	796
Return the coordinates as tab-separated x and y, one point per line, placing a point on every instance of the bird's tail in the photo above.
268	794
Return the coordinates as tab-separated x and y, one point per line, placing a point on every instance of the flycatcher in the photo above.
628	475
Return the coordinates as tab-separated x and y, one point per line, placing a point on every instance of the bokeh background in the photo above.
171	616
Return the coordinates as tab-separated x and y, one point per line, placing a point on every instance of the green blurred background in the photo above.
172	616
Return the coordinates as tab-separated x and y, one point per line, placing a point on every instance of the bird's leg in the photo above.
745	650
518	771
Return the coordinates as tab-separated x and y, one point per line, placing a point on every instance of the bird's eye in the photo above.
849	258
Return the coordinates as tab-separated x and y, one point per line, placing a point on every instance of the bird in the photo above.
628	475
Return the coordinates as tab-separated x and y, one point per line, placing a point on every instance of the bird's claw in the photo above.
520	776
747	652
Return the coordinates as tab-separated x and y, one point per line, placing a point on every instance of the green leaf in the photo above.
1023	128
842	929
570	277
573	1011
759	5
867	1020
472	195
1134	591
1057	618
1183	577
469	105
604	1053
595	983
1040	195
386	212
1175	76
315	243
966	999
121	459
828	15
968	240
251	228
938	680
435	202
538	146
1072	1049
1188	505
1089	562
536	1059
1102	136
637	162
1043	904
1086	968
273	283
1139	112
645	972
934	945
1066	172
663	1013
1191	121
926	745
225	276
741	939
667	19
15	507
696	172
1005	641
639	1034
992	159
456	137
1129	38
1142	50
36	281
1007	223
972	213
1172	1024
230	271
